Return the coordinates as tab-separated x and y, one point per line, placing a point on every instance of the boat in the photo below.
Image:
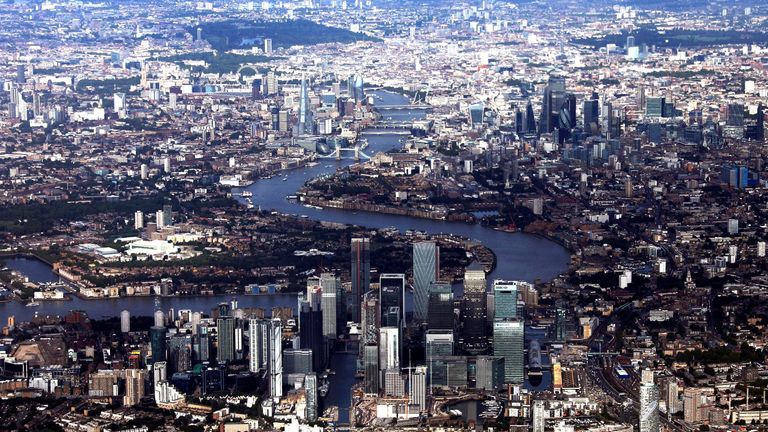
247	194
285	178
33	304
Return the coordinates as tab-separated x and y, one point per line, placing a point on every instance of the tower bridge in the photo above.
339	151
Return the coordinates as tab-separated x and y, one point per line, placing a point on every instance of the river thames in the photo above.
519	256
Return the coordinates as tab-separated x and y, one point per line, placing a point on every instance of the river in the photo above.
519	256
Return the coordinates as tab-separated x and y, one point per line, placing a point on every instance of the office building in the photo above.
754	123
157	343
371	369
330	285
474	311
394	384
508	342
305	125
392	299
591	113
225	337
213	379
489	373
426	269
505	297
311	332
267	46
449	371
275	346
440	306
437	343
389	348
297	361
538	414
370	320
201	347
655	106
476	114
310	388
180	353
417	387
361	274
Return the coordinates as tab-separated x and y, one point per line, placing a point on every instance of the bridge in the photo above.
401	107
339	151
387	132
391	124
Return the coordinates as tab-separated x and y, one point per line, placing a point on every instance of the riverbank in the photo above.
378	208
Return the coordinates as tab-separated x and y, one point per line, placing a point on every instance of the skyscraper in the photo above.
508	342
202	343
672	396
392	295
489	373
438	344
426	269
361	273
440	307
134	386
275	346
754	123
330	285
389	348
311	332
474	311
591	116
305	126
566	117
225	337
530	119
358	87
538	416
417	387
125	321
649	405
654	106
258	333
371	368
180	352
310	387
369	324
167	215
554	95
505	299
560	324
157	343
